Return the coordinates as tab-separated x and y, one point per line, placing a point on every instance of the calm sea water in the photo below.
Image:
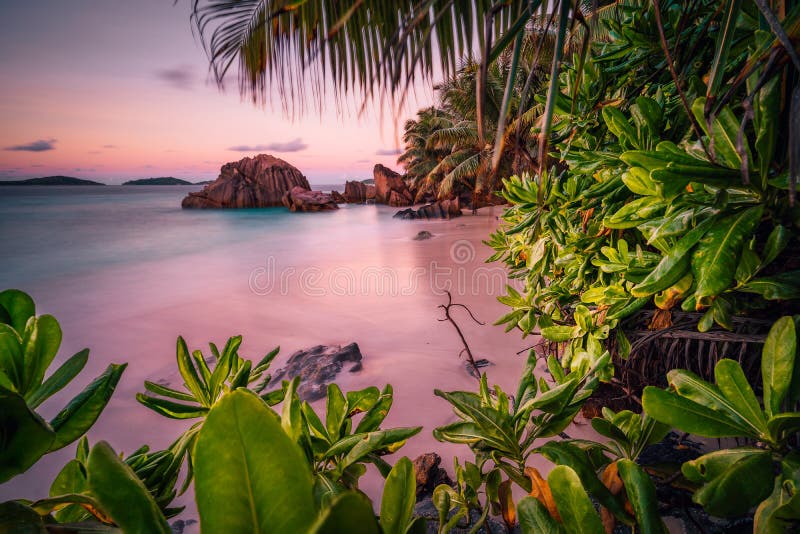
125	271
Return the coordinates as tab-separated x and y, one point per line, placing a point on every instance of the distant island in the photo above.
51	180
164	180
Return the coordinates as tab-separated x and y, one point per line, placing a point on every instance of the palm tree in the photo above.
373	48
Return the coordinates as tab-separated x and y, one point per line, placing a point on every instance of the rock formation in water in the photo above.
390	188
355	192
257	182
162	180
442	209
338	198
317	367
301	199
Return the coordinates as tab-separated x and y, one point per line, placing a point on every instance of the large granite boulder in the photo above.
338	197
443	209
355	192
390	188
301	199
257	182
317	367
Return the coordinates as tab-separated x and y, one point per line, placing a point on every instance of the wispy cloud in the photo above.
365	160
109	146
388	152
295	145
40	145
180	77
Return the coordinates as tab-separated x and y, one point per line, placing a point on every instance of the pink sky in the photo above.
111	90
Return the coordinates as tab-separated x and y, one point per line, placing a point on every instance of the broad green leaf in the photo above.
39	346
574	506
673	265
60	378
535	519
723	133
189	373
249	475
349	512
734	386
19	307
11	362
83	410
121	494
711	465
25	436
560	333
744	484
292	416
777	363
783	286
715	259
687	415
776	243
362	400
556	399
374	417
399	498
335	411
642	495
71	479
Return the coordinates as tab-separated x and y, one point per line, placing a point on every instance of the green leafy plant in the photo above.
158	471
350	436
100	483
246	459
765	474
504	430
28	346
204	386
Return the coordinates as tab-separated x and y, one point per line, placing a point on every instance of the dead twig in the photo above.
447	317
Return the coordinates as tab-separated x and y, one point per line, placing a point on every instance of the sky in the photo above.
112	90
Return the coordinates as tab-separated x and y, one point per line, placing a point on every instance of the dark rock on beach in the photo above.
300	199
429	474
317	367
443	209
257	182
421	236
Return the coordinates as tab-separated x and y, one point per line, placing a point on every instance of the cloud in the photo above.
109	146
180	77
295	145
40	145
388	152
365	160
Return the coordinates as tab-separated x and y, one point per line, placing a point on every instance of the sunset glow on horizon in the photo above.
110	90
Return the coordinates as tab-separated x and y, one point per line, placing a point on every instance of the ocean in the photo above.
125	270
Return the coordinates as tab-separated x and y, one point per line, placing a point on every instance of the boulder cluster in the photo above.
265	181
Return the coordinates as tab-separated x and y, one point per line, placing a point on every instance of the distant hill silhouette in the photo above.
51	180
164	180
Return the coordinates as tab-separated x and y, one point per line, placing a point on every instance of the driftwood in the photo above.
475	365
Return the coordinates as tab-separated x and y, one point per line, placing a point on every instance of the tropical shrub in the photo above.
665	197
765	473
28	345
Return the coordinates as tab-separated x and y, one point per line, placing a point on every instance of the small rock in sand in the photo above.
424	234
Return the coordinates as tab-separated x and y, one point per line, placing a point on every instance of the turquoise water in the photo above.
125	270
